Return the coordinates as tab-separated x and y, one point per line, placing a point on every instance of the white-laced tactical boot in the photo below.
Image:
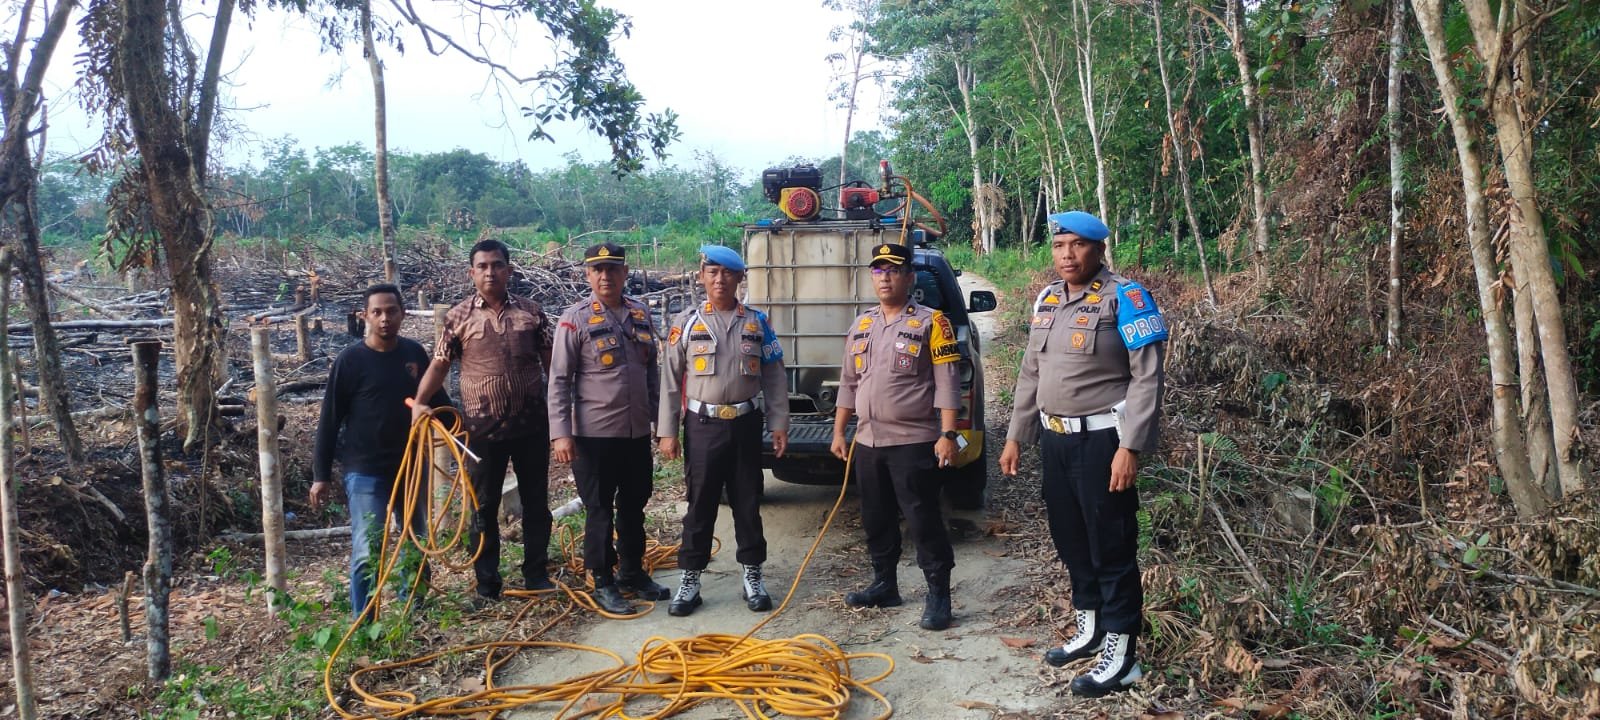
1116	670
688	597
755	591
1087	641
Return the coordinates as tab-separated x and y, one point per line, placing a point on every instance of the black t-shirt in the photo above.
365	420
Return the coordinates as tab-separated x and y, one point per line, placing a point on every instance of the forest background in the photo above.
1373	224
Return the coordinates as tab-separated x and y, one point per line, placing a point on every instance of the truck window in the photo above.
926	290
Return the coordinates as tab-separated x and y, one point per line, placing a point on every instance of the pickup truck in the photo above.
812	280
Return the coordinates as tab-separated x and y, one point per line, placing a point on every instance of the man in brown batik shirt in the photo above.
502	343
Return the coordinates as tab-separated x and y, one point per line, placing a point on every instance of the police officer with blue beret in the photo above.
720	356
1089	392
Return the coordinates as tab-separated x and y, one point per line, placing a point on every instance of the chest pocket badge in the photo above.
752	365
703	365
902	361
1081	342
1044	320
603	344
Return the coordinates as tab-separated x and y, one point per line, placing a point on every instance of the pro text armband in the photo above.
771	349
1138	319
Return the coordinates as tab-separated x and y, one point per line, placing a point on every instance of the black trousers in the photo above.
1096	531
614	481
900	480
531	457
718	453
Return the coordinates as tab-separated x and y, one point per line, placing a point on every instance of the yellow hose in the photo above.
806	676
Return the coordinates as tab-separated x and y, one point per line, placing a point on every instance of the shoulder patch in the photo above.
942	340
771	349
1138	319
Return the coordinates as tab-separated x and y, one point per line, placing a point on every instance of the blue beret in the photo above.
1079	223
724	256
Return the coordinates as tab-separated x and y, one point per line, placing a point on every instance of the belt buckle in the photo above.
1055	424
727	412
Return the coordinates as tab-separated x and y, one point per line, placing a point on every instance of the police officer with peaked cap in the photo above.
604	386
899	379
1090	392
720	355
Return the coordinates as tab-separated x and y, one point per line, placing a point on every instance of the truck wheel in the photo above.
964	486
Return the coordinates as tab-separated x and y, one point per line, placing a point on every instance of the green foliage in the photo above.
199	691
1222	447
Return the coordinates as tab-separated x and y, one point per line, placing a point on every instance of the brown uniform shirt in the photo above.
722	358
1077	364
503	357
898	374
603	375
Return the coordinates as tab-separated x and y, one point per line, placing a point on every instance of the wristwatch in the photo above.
950	434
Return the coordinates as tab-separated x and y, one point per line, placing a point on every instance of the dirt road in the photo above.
966	671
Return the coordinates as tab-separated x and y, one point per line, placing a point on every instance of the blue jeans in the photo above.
369	498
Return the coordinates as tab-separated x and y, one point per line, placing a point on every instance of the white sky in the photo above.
748	78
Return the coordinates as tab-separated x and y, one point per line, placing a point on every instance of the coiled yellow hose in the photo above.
806	676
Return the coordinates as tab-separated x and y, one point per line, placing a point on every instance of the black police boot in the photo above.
634	579
1086	642
883	592
1115	671
537	583
936	608
754	590
610	599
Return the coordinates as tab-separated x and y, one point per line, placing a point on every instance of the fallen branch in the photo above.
312	534
86	302
1233	542
89	490
1516	579
27	328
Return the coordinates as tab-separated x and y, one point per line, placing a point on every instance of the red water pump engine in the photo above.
857	202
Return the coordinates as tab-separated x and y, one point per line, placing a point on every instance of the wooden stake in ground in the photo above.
158	559
271	470
302	337
20	604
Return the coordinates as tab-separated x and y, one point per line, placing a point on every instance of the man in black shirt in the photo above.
365	407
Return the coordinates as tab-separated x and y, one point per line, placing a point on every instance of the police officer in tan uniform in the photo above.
1090	392
899	379
502	343
719	356
604	386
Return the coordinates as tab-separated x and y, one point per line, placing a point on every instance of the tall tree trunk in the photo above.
1535	406
172	161
1508	85
158	553
19	179
1180	155
1235	27
54	396
1510	449
20	604
271	468
380	152
1397	175
966	83
1083	60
